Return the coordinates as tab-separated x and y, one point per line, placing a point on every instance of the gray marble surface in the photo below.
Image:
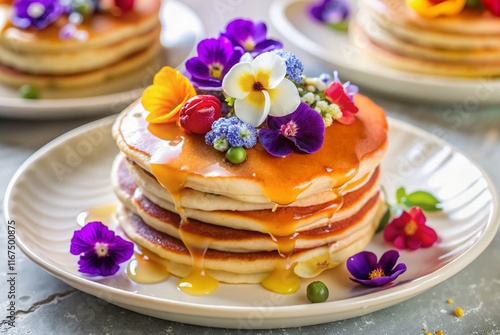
45	305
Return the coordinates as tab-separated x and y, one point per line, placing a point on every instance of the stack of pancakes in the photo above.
464	45
270	217
115	45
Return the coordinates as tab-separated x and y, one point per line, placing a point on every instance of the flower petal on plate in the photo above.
388	260
259	32
361	264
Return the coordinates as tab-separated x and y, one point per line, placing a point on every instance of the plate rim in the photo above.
281	23
386	297
18	108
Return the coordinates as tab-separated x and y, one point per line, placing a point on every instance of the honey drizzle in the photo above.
198	282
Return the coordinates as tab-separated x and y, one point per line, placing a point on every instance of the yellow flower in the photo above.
435	8
165	98
261	89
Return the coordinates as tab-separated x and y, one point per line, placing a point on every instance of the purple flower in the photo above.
35	13
330	11
215	58
366	271
99	249
250	36
302	130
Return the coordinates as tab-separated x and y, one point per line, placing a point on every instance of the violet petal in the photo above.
197	68
120	249
388	260
233	60
398	270
311	129
239	31
259	32
268	45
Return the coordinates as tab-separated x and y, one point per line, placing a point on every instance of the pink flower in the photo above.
409	231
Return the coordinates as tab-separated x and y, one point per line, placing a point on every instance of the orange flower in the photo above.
165	98
435	8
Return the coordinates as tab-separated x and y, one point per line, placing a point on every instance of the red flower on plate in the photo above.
409	231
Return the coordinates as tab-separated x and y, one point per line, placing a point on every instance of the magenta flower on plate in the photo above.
100	249
342	95
216	56
250	36
410	231
303	130
330	11
367	271
35	13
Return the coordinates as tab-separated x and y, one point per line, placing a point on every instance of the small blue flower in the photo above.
294	67
231	132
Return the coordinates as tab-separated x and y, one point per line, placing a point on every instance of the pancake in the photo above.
251	223
361	204
248	267
137	61
464	45
116	44
284	220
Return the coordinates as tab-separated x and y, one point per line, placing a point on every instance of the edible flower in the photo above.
303	130
250	36
493	6
294	67
367	271
409	231
261	89
35	13
231	132
100	249
199	113
332	12
165	98
216	56
435	8
342	95
125	5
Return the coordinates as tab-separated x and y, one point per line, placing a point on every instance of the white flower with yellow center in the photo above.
261	89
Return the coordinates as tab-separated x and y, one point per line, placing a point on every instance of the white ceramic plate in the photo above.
71	174
182	29
291	19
